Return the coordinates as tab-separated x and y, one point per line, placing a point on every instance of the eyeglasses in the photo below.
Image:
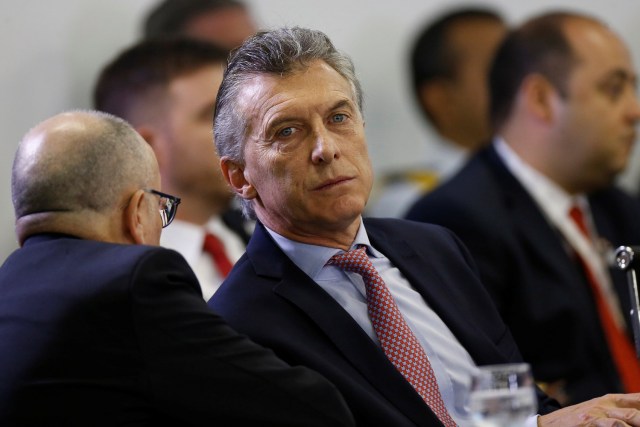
168	206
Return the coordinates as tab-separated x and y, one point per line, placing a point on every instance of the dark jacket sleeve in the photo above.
202	369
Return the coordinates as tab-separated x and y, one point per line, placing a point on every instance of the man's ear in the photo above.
155	141
134	222
434	98
539	97
237	178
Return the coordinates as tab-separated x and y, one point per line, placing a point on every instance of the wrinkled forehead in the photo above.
304	87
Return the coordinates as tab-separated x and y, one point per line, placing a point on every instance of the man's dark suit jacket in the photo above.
267	297
539	288
101	334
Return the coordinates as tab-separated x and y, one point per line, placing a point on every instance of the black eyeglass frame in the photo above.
170	208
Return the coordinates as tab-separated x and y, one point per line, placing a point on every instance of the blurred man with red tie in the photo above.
538	210
167	89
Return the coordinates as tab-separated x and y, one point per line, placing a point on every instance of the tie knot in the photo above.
576	214
355	260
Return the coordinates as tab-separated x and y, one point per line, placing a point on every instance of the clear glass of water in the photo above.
502	395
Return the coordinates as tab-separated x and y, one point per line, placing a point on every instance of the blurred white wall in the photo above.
53	50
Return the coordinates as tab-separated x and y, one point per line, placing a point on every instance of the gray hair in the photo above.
107	158
279	52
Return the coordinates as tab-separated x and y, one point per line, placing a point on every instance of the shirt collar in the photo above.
550	197
188	238
312	258
184	237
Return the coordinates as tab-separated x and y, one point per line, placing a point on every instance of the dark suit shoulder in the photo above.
115	327
475	185
111	254
404	227
617	203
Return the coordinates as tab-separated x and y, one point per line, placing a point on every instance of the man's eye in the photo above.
286	132
614	90
339	118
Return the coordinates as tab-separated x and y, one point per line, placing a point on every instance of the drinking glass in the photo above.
502	395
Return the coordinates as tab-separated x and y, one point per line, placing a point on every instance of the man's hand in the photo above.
610	410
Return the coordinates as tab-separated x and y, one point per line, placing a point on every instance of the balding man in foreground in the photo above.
98	331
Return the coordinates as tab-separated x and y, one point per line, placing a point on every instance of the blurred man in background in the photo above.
166	88
538	209
450	61
226	23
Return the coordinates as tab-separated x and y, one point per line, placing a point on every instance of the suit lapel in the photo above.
339	327
544	245
428	277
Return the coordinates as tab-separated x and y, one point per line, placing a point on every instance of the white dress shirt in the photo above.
188	239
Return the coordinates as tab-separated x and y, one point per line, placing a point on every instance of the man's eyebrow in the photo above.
621	74
279	121
341	104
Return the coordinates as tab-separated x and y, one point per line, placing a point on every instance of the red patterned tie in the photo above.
620	346
397	341
214	247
